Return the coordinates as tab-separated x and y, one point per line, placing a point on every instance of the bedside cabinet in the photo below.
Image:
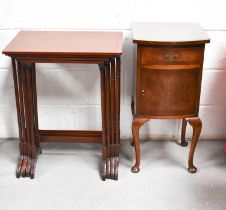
168	78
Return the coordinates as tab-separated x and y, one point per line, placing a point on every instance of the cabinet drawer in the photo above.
172	55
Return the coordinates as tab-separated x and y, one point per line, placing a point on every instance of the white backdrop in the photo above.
69	95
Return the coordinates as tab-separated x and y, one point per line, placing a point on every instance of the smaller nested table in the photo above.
102	48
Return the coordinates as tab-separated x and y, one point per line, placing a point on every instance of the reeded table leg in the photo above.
137	123
117	115
110	103
184	143
196	124
26	100
113	147
104	129
108	118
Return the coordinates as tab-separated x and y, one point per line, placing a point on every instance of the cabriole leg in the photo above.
183	143
132	110
137	123
196	124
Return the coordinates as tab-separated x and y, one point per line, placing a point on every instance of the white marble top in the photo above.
168	32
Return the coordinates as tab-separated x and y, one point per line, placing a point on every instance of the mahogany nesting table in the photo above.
168	78
31	47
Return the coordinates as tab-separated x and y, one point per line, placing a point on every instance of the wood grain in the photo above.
102	48
168	78
65	42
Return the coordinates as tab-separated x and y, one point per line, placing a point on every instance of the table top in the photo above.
65	43
168	32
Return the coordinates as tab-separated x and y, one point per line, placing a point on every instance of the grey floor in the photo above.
67	177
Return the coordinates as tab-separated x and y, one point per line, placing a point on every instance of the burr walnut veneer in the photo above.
168	78
102	48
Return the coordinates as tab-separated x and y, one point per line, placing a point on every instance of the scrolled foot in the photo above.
104	170
32	172
23	166
192	169
110	168
116	168
26	166
112	175
135	169
19	166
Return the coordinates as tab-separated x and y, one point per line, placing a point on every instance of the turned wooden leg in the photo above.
183	143
196	124
137	123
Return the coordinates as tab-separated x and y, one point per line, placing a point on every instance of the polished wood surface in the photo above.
168	33
168	79
65	42
99	48
70	136
136	125
196	124
162	89
183	143
179	55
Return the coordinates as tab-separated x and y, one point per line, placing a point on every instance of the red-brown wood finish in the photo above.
168	85
102	48
65	43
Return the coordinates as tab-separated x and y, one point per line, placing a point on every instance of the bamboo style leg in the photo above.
137	123
196	124
25	98
183	143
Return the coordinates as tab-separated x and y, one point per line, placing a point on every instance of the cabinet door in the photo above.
170	90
